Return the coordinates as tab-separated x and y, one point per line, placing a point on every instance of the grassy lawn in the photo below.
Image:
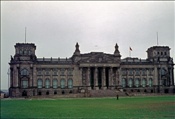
159	107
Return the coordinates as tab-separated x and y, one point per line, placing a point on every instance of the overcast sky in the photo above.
55	27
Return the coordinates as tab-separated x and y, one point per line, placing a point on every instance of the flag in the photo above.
130	48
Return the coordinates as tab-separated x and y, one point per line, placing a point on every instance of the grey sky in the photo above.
55	27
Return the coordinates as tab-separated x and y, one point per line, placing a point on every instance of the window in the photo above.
62	71
137	72
47	73
25	52
130	83
70	83
29	52
20	52
130	72
161	53
124	72
163	71
47	83
137	82
150	82
69	72
150	71
165	53
24	72
40	83
62	83
54	72
55	83
123	82
144	82
39	73
24	83
144	72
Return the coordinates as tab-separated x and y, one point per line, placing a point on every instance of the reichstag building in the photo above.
89	72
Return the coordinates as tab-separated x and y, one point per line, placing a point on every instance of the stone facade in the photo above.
32	76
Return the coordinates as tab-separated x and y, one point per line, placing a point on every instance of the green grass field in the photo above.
158	107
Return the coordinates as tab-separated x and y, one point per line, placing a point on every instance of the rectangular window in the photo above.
69	72
62	72
25	84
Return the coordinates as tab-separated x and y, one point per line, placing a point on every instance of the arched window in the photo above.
40	83
24	72
150	82
123	82
137	82
144	82
47	83
55	83
62	83
70	83
24	83
130	83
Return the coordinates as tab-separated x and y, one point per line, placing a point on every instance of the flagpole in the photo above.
129	53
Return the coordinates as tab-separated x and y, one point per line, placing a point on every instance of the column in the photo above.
43	78
134	85
117	77
88	79
120	77
147	80
110	77
172	75
51	78
11	77
96	78
34	76
31	77
15	79
103	79
81	77
155	80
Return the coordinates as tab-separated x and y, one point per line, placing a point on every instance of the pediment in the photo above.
96	57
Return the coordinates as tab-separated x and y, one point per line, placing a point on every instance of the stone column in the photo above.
31	77
117	77
51	78
88	79
120	77
44	78
134	85
147	79
104	79
34	76
15	76
172	75
155	80
96	78
11	77
110	77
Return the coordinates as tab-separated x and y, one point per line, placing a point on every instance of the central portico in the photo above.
98	70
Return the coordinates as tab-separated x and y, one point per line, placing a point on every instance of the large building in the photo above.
32	76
